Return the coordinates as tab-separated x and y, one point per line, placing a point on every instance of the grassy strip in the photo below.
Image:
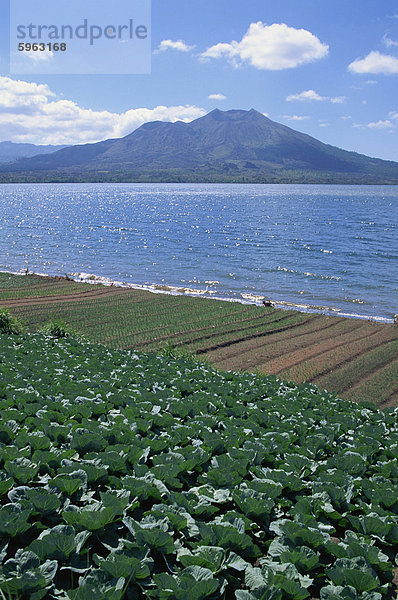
31	286
214	335
119	322
202	326
352	373
332	360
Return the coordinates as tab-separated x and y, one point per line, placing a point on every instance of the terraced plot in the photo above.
356	359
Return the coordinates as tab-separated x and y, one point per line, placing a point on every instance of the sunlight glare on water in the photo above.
311	245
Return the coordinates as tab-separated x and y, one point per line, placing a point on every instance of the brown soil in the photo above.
250	337
325	361
255	354
395	579
316	350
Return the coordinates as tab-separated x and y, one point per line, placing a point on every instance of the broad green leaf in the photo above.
21	469
6	483
304	559
13	520
67	484
120	565
91	518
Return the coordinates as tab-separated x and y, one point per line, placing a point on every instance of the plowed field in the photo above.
355	358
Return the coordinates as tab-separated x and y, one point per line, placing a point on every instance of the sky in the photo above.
328	68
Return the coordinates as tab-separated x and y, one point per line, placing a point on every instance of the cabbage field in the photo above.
131	475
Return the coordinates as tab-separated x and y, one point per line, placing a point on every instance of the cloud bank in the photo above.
31	112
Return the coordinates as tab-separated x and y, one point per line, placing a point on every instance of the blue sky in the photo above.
328	68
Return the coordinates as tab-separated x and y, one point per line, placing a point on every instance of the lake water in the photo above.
310	246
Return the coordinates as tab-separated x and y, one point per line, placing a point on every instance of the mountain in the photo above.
11	151
235	145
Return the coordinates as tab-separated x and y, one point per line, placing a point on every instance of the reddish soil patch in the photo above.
251	337
257	354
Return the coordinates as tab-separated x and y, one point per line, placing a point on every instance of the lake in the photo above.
313	247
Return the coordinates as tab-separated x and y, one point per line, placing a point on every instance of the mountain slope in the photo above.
233	145
11	151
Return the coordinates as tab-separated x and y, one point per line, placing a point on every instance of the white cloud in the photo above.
30	112
39	57
271	47
307	95
381	125
310	95
387	124
179	45
389	42
375	63
346	118
295	117
217	97
338	100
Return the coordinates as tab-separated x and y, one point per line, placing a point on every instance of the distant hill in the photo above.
235	145
11	151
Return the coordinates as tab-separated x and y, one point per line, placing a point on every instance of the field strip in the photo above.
222	330
385	378
379	363
282	344
391	400
317	349
333	359
186	324
208	326
225	336
33	290
251	337
361	366
61	298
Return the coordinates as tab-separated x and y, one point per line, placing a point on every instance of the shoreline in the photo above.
247	299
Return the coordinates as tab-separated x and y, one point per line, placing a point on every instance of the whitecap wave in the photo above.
246	298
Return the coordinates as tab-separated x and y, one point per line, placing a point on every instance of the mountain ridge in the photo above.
11	151
234	145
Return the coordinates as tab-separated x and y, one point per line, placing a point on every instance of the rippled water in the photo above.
329	246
